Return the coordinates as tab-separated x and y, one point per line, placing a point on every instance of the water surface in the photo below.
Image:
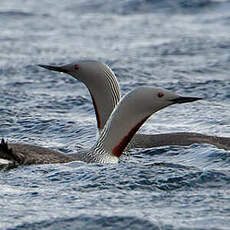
180	45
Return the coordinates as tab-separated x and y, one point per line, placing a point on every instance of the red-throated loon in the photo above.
105	93
138	106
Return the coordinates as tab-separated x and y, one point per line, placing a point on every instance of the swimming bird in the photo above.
105	93
138	106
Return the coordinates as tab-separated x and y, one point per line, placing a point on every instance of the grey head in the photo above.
86	71
101	83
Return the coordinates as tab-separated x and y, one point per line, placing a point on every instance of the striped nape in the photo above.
101	155
113	86
99	147
103	110
99	144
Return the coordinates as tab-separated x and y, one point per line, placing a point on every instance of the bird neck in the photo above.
120	128
105	94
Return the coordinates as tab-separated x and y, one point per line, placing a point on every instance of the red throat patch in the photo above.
118	150
76	67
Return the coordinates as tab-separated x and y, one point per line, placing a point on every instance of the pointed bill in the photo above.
180	100
55	68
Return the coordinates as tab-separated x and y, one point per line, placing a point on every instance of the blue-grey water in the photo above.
181	45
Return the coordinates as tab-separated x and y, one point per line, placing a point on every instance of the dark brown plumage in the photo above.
31	154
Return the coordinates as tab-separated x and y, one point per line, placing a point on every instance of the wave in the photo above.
142	6
15	13
94	222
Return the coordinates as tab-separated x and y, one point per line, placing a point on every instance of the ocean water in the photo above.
181	45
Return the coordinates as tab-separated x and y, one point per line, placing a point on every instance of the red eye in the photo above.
76	66
160	94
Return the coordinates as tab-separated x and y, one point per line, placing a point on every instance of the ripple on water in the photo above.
96	222
179	45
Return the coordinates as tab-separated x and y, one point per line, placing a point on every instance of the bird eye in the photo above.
76	67
160	94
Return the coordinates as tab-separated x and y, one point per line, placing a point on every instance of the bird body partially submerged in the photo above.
31	154
105	93
113	139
